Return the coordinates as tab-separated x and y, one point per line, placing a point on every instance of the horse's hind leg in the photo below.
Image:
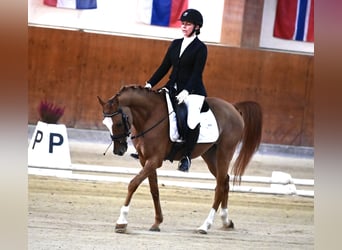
153	181
226	222
218	162
210	157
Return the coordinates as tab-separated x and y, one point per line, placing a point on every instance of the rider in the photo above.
187	56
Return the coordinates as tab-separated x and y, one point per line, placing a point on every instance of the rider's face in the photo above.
187	28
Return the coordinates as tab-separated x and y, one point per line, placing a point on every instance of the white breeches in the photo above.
194	104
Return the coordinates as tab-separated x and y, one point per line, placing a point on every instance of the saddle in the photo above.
181	112
178	114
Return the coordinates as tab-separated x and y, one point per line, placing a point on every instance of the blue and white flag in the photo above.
72	4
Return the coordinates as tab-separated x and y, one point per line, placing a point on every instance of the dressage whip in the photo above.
107	148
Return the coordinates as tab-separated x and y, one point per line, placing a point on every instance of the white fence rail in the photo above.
278	183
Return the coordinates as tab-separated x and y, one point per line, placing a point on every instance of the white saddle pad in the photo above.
208	125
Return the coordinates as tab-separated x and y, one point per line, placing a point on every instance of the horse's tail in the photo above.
250	141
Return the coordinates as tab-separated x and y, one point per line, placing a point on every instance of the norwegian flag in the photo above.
295	20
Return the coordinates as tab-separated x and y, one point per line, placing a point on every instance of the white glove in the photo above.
163	89
148	85
182	96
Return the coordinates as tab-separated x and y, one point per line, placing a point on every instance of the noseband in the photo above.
124	118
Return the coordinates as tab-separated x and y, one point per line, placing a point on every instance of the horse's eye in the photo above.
119	125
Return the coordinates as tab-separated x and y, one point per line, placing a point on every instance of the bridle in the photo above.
127	125
125	121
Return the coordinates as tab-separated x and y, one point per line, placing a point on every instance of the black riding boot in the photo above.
190	143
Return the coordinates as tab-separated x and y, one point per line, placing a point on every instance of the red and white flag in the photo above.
295	20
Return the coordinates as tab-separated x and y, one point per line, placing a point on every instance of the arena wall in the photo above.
71	68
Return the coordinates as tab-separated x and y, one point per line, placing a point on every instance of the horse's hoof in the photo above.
202	231
155	229
120	228
230	225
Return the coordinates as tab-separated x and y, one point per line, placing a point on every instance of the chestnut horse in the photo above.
142	114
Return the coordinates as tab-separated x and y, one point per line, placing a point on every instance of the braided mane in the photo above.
135	87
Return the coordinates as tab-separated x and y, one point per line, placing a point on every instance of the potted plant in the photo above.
49	146
49	112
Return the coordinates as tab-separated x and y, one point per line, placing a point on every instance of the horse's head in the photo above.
116	120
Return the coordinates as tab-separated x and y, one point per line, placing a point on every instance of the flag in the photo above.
162	12
72	4
295	20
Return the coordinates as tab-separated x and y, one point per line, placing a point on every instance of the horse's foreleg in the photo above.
153	181
121	223
208	222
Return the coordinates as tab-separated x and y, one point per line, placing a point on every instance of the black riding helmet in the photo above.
192	16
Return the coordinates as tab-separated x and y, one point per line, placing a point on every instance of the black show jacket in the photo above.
186	70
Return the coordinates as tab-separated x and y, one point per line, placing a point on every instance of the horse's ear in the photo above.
100	101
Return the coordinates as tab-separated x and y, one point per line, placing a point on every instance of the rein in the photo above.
127	127
146	131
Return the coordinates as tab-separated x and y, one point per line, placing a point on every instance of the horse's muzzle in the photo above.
120	149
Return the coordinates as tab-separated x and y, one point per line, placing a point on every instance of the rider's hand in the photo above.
148	85
182	96
163	89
